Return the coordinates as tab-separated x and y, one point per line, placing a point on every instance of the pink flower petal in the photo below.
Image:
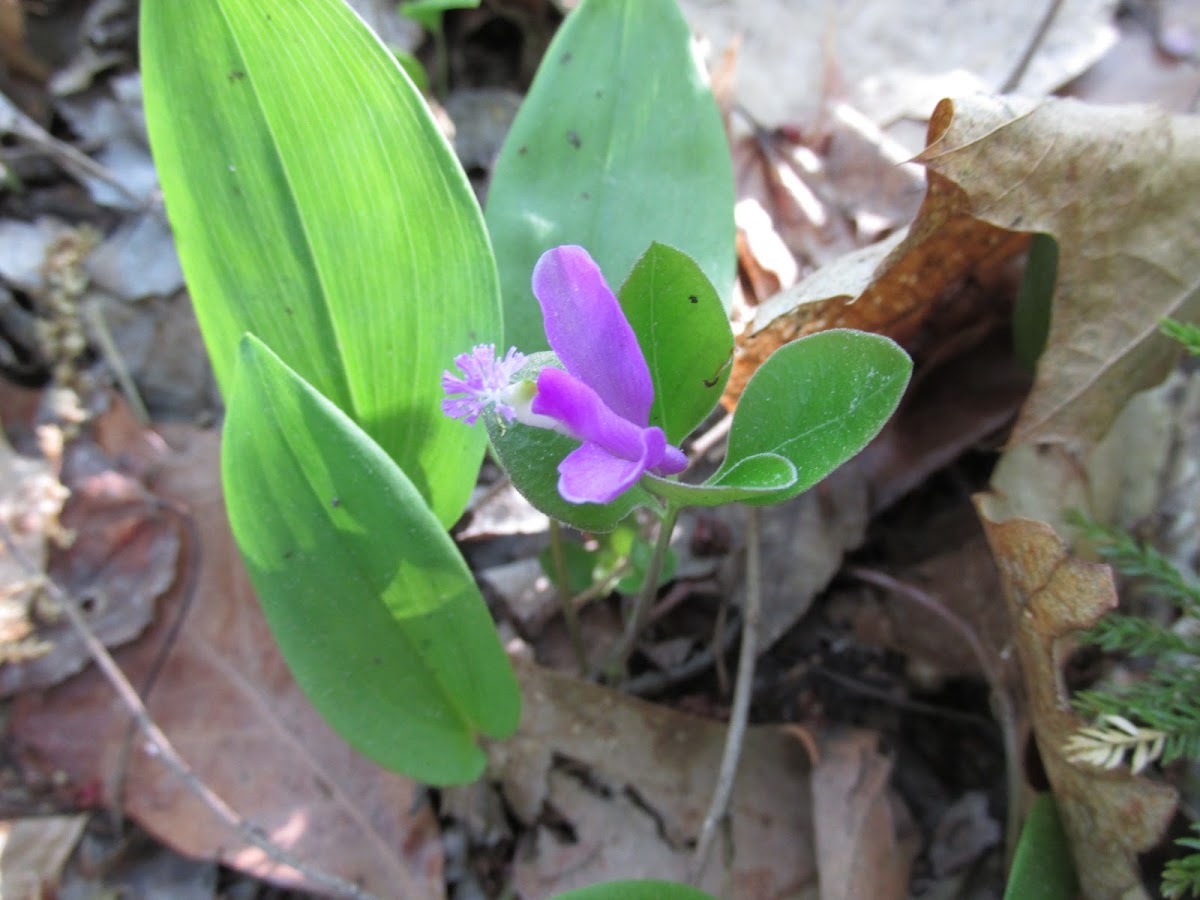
565	398
589	332
590	474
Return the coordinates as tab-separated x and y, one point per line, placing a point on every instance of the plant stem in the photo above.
565	599
615	669
740	714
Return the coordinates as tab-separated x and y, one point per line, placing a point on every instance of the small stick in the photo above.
1002	704
1035	42
166	752
740	714
620	657
558	559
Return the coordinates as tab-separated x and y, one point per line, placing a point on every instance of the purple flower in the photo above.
486	382
603	398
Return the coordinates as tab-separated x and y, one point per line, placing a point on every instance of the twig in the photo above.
566	601
94	317
1035	42
191	579
78	164
740	714
656	682
1002	704
166	752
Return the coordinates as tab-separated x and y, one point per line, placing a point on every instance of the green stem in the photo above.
570	616
615	670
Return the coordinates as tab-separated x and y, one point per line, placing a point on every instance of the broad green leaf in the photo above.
618	144
367	596
816	402
317	206
635	890
1042	868
684	333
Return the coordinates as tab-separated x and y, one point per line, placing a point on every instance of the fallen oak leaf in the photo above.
889	288
1116	187
1109	815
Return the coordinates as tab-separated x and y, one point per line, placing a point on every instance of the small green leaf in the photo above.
581	564
1031	317
635	890
684	334
428	13
1042	868
618	143
317	205
816	402
369	600
759	477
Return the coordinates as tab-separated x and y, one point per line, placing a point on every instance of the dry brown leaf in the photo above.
889	288
1109	815
895	59
33	853
227	702
120	558
1116	186
633	781
15	55
864	839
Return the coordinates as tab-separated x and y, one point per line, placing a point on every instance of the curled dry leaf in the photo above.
1110	815
889	288
1117	188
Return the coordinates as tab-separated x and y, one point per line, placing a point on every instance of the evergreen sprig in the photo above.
1182	876
1165	701
1184	332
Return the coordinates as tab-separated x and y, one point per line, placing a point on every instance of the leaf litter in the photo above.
1120	185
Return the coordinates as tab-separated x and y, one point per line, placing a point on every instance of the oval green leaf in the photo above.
816	402
317	205
619	143
684	333
369	600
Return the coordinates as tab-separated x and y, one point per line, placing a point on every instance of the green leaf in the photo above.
1031	317
816	402
635	890
368	598
684	334
1042	868
317	205
618	144
428	13
759	477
